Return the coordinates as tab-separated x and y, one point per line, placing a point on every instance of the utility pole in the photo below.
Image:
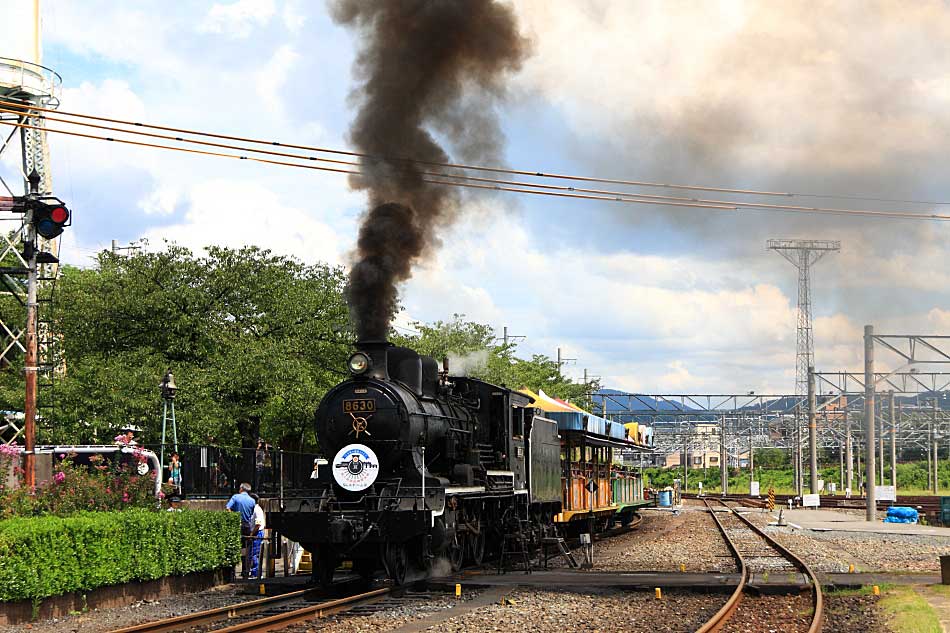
880	444
871	509
857	453
849	458
561	360
685	461
505	336
751	454
812	434
590	397
841	464
900	416
116	249
799	479
723	458
930	476
893	419
933	444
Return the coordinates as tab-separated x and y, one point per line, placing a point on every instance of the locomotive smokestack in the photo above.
427	67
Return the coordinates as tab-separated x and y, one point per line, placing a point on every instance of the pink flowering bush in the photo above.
75	488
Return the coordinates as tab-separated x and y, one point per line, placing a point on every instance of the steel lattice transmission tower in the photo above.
803	254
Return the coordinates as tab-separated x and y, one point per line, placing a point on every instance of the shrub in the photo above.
48	556
102	486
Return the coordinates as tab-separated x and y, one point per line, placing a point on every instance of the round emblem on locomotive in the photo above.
355	467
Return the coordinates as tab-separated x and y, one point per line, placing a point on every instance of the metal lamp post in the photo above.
169	389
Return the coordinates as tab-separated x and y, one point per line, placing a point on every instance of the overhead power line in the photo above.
21	108
439	178
435	181
601	192
500	170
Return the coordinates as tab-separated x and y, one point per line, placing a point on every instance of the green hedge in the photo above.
49	556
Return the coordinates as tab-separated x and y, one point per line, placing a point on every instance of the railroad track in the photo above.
273	613
757	554
277	612
928	504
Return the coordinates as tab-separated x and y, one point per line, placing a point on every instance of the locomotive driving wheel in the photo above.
456	553
476	544
396	559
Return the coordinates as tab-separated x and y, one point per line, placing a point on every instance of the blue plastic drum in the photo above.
666	498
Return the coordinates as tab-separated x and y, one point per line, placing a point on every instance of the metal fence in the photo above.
217	471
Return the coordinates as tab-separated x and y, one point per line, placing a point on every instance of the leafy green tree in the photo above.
475	348
771	457
254	340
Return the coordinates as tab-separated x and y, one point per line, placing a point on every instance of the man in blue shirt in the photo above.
243	503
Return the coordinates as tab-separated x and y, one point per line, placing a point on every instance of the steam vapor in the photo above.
425	67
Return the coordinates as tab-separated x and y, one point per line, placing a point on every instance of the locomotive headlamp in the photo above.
358	363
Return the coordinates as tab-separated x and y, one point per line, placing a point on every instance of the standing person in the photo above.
257	535
127	436
259	463
174	473
244	504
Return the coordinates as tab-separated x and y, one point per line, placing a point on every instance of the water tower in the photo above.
28	84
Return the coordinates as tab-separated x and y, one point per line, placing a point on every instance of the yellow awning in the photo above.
545	403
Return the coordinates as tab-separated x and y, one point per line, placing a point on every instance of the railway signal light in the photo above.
50	216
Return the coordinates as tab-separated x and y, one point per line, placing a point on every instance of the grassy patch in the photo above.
909	612
866	590
944	589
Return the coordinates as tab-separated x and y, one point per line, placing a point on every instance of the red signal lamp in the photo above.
59	215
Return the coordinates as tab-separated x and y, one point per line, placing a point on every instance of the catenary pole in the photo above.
933	443
880	444
869	444
812	434
893	440
848	447
723	459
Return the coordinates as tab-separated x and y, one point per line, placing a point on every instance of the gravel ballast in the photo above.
835	550
557	611
766	614
664	542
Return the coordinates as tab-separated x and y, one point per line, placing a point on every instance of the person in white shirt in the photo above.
257	535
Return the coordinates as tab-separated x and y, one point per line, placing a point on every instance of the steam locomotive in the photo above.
425	466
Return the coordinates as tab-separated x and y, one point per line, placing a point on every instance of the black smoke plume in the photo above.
426	68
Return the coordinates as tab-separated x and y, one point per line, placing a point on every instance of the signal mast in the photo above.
24	86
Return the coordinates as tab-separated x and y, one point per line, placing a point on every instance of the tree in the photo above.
473	349
254	340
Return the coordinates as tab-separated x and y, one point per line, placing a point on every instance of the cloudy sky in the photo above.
844	98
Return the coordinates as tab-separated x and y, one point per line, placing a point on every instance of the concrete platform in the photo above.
830	520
